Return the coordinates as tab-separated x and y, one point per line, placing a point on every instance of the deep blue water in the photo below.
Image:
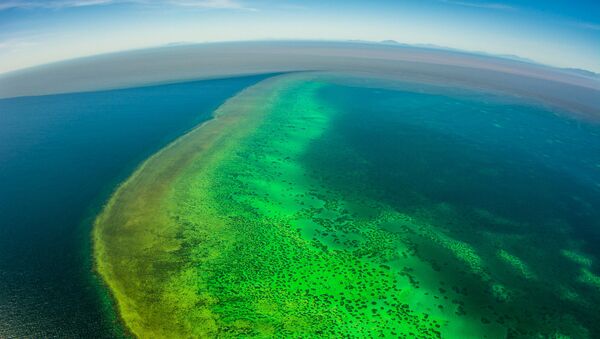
491	173
60	157
516	159
440	131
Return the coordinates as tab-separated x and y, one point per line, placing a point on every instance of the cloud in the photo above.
484	5
588	25
211	4
59	4
50	4
15	44
499	6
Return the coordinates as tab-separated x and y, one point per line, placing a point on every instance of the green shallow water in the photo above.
310	208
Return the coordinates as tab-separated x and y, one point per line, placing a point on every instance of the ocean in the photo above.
60	158
333	206
396	207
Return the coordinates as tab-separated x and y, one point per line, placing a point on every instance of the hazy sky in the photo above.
563	33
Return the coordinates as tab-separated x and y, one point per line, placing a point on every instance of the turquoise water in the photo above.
60	157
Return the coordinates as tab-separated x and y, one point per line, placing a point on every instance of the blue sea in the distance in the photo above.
60	158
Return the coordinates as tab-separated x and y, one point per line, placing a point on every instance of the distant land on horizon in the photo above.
513	57
501	56
575	90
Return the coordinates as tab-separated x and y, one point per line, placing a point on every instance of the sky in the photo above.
562	33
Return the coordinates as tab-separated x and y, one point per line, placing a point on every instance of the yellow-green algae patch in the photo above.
137	243
227	233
